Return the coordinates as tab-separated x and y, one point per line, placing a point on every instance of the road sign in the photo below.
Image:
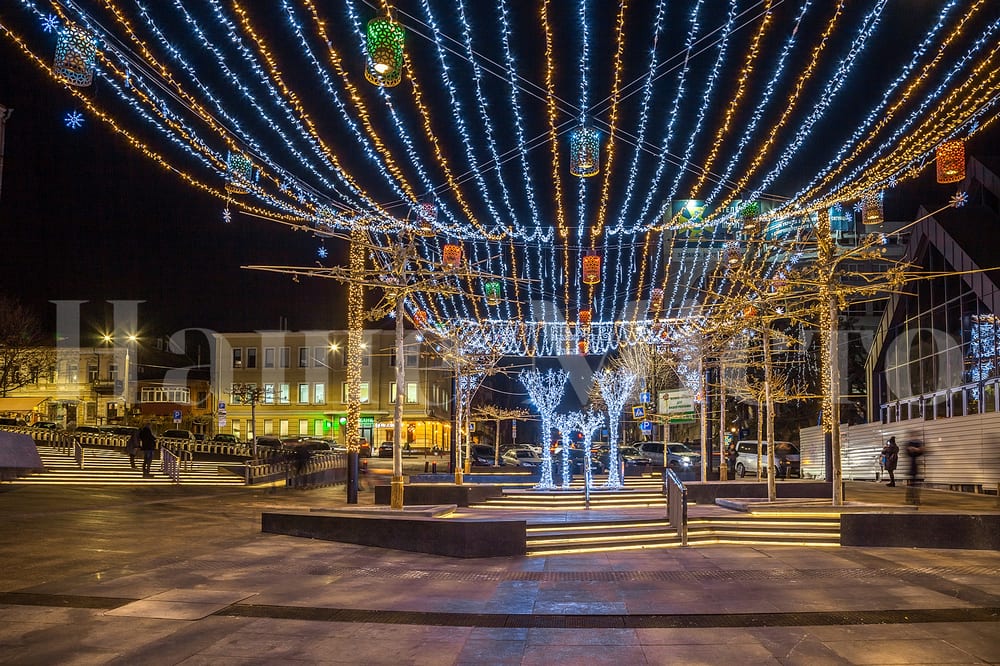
644	397
513	430
646	427
638	412
222	408
177	416
677	406
222	421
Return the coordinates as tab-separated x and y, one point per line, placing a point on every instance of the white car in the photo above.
521	458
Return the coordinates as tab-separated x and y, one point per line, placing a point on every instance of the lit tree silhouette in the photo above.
546	392
616	387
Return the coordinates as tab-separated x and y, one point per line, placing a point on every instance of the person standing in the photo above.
148	443
890	458
133	447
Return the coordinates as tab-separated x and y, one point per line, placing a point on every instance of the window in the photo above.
251	357
303	394
283	428
268	394
411	359
411	393
286	357
364	392
318	427
283	394
268	427
113	371
319	394
237	357
268	357
320	355
236	397
303	426
172	394
303	357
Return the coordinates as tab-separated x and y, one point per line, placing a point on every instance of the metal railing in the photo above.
169	464
677	504
318	469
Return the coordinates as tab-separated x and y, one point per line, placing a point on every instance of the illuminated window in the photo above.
303	394
319	394
364	391
303	357
237	357
284	394
268	394
411	392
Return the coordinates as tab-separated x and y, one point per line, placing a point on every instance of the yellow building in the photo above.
302	377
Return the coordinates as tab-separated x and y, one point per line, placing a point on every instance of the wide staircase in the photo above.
110	467
635	518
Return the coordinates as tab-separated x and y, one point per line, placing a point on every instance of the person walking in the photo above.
914	450
890	458
147	441
133	447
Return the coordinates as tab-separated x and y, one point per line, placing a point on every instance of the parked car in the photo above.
635	462
47	425
675	455
6	421
127	431
482	455
268	442
576	462
521	458
786	459
177	434
385	450
225	438
88	430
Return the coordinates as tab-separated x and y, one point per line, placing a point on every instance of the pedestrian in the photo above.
914	450
132	447
147	440
890	457
731	460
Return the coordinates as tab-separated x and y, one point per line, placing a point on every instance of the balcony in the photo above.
106	386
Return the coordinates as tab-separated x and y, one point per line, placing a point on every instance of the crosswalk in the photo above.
110	467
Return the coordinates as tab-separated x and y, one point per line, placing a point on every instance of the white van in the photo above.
786	459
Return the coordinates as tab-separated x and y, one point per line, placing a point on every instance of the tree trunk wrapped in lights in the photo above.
591	268
584	152
950	160
76	56
546	392
871	208
384	41
616	387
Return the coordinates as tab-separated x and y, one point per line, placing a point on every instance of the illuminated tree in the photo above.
616	387
546	392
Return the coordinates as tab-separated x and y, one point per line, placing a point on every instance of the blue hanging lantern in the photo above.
240	173
384	42
584	152
76	56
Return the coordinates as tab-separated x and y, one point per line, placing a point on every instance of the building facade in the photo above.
302	382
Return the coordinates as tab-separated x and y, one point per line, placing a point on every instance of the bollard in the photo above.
426	466
434	468
364	466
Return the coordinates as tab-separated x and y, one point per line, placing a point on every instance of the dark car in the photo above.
47	425
225	438
577	462
481	455
385	450
268	442
635	462
177	434
88	430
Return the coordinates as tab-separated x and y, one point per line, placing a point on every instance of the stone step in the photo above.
111	467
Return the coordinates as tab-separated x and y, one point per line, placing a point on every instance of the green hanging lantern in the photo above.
385	51
493	291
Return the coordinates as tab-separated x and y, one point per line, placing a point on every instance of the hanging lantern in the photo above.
731	254
492	290
586	316
240	173
749	312
950	160
426	217
749	216
582	346
591	269
420	319
451	255
384	40
584	152
871	208
76	56
656	299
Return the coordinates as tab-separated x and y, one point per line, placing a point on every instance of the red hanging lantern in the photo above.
451	255
591	269
950	158
586	316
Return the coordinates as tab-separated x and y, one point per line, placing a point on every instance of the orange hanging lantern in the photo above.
420	319
591	269
582	346
656	298
451	255
950	158
586	316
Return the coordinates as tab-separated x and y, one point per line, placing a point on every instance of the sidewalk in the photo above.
161	576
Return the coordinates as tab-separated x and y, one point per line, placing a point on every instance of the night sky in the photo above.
84	217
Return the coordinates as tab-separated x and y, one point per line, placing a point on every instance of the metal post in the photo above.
723	468
396	491
772	490
4	115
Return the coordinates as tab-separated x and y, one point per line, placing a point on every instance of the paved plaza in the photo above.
184	576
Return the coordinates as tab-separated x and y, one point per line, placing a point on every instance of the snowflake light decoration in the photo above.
73	120
50	23
227	217
321	252
959	199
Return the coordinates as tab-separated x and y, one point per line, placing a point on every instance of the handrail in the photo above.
168	464
677	504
